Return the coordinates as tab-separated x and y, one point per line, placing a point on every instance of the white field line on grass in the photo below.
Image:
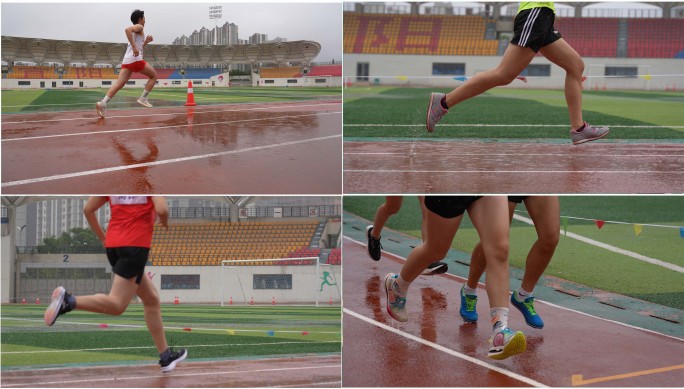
446	350
165	127
164	162
261	107
614	249
500	125
188	346
175	374
170	328
463	280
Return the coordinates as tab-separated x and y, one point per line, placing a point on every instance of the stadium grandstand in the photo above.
295	238
635	46
30	63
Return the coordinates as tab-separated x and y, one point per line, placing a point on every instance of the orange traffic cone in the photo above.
231	300
251	301
273	301
191	96
330	300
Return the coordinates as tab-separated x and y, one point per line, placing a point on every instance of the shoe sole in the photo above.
521	311
148	105
516	345
173	364
590	139
367	250
98	107
440	269
389	311
52	310
427	117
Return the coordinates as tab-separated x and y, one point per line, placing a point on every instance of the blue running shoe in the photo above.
506	343
396	305
468	309
526	307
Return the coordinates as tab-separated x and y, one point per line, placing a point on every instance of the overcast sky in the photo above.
105	22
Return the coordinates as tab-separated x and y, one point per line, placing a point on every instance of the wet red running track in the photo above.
503	167
311	371
266	148
436	348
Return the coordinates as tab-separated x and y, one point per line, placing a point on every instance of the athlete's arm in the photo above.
91	206
148	39
162	210
136	28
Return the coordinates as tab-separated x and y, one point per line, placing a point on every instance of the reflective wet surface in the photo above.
497	167
570	344
323	371
277	148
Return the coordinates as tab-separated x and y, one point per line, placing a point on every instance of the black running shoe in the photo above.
435	268
170	363
374	246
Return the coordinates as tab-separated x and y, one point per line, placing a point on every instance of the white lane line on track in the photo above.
499	125
608	247
463	280
164	127
404	154
446	350
175	375
261	107
164	162
513	171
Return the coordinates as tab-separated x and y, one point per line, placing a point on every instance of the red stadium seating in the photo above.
655	38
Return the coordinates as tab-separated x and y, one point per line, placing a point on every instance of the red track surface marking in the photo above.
282	148
312	371
492	167
570	344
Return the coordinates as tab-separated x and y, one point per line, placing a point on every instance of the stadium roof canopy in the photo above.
41	51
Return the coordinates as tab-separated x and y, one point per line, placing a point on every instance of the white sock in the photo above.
521	294
401	286
469	291
105	100
499	318
145	93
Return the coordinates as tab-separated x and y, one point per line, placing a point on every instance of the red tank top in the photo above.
132	221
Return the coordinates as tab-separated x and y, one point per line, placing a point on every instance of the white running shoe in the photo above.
101	108
144	102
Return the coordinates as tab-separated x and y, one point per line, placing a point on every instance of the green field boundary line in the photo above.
612	248
507	140
502	125
175	328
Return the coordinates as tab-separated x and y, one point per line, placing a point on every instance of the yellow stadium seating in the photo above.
208	243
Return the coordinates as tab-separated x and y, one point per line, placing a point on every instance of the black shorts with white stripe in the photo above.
533	28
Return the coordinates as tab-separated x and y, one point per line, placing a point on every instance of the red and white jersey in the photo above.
132	221
139	40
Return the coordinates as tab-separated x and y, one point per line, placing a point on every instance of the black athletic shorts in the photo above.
449	206
516	199
128	262
533	28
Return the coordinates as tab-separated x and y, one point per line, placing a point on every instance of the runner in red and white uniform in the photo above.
132	62
127	241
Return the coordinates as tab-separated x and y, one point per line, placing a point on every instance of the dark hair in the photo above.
137	15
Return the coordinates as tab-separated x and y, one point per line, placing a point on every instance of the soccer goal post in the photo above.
286	281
